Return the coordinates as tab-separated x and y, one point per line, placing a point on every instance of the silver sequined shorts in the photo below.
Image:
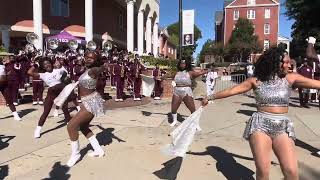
269	123
94	104
183	91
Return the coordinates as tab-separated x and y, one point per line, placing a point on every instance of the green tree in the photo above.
187	51
243	42
2	49
305	13
206	50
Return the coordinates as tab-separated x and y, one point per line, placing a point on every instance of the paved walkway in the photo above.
132	138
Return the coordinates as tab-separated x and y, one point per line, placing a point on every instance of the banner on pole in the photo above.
188	27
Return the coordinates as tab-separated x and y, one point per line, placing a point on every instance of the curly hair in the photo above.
41	62
188	65
98	59
269	65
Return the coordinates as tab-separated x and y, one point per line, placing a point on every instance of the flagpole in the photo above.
180	29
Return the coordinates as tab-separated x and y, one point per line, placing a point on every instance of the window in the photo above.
59	8
251	14
266	45
266	28
251	2
235	14
267	13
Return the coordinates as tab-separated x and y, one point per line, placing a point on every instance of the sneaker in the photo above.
121	100
96	154
116	100
157	98
73	160
55	113
79	101
34	103
15	103
37	133
138	99
40	102
318	152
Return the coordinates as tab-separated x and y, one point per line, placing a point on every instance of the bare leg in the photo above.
189	102
283	147
175	104
261	147
81	118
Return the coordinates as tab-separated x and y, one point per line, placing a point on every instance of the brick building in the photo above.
131	24
264	14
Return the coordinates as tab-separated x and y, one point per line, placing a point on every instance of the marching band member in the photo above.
119	72
136	70
54	78
13	69
6	91
92	106
156	73
37	84
78	70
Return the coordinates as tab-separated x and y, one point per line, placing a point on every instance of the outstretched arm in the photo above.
238	89
302	82
195	74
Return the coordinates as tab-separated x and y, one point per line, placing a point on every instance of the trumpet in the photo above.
73	44
91	45
107	46
53	44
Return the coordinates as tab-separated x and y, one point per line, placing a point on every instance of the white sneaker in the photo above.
78	108
137	99
34	103
96	154
40	102
56	113
73	160
175	120
37	132
157	98
79	101
16	116
15	103
116	100
318	152
121	100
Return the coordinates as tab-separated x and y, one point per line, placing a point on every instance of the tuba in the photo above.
107	46
73	44
91	45
53	44
31	38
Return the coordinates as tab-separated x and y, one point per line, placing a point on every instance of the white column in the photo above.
155	39
88	20
148	35
37	22
141	32
6	39
130	25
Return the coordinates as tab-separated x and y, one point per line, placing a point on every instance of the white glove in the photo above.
311	40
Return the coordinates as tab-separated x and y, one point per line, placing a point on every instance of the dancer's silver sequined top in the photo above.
183	78
273	93
86	81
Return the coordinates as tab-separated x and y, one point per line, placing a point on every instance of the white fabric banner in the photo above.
188	27
183	135
62	97
147	85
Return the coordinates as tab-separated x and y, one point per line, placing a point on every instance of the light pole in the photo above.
180	29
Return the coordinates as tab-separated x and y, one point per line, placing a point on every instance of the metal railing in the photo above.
225	82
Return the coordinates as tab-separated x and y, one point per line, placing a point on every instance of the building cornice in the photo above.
251	6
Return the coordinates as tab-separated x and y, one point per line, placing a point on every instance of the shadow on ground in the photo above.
170	170
59	172
105	137
4	141
226	164
313	150
4	171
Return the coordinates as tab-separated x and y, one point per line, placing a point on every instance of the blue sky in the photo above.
204	16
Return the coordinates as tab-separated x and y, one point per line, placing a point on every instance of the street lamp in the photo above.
180	29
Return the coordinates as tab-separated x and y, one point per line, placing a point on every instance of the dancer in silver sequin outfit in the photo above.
92	105
182	92
269	128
